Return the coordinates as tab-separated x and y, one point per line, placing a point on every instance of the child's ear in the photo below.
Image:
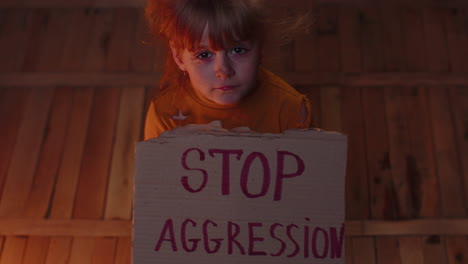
176	57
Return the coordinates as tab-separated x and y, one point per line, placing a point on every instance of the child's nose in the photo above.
224	67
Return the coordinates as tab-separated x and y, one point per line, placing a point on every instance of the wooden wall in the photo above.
75	80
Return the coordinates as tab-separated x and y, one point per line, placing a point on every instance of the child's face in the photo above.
222	76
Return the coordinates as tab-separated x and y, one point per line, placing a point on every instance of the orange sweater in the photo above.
273	107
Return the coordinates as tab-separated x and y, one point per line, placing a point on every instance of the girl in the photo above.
213	69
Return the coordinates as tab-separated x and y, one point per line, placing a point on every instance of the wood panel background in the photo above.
76	78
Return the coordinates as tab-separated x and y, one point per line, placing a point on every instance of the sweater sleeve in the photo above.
154	125
296	114
306	113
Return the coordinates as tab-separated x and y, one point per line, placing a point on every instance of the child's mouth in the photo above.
226	88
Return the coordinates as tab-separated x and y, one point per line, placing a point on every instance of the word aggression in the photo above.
289	240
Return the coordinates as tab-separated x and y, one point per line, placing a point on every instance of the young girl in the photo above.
213	69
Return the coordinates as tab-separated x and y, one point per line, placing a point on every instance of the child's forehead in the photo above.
207	41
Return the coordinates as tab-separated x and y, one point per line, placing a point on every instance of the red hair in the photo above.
182	23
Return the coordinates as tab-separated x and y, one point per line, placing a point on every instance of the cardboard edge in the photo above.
216	131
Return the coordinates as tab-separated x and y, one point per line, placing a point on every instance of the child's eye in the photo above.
204	55
239	50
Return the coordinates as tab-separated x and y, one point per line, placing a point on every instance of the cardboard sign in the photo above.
234	197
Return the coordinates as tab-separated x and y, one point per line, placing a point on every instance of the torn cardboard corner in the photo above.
214	127
208	195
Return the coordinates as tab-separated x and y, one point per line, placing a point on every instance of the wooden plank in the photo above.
407	227
330	102
59	250
382	195
375	32
350	40
160	56
364	250
284	49
40	19
458	100
349	250
357	187
11	112
420	164
453	199
2	240
104	250
122	228
305	48
92	23
411	250
151	92
44	54
70	164
434	250
371	40
82	250
124	251
26	153
146	54
51	154
387	250
77	40
82	79
3	13
457	248
450	161
94	174
36	250
129	125
13	250
313	94
279	47
65	227
142	3
403	79
122	40
411	149
328	40
47	50
435	40
400	153
120	190
314	97
157	52
457	39
413	34
392	37
14	38
98	48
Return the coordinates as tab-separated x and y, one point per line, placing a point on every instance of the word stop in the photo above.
256	157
